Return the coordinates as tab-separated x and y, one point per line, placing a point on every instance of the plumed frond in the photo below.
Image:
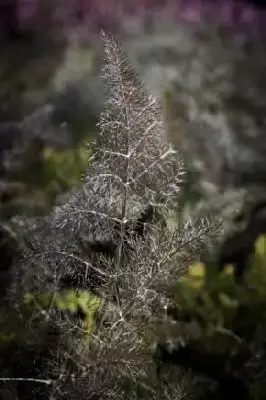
133	165
134	157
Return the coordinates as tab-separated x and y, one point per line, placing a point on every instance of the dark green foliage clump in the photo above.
238	248
225	322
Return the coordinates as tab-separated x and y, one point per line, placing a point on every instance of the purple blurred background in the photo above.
81	17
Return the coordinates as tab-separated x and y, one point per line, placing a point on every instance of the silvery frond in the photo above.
133	164
133	155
